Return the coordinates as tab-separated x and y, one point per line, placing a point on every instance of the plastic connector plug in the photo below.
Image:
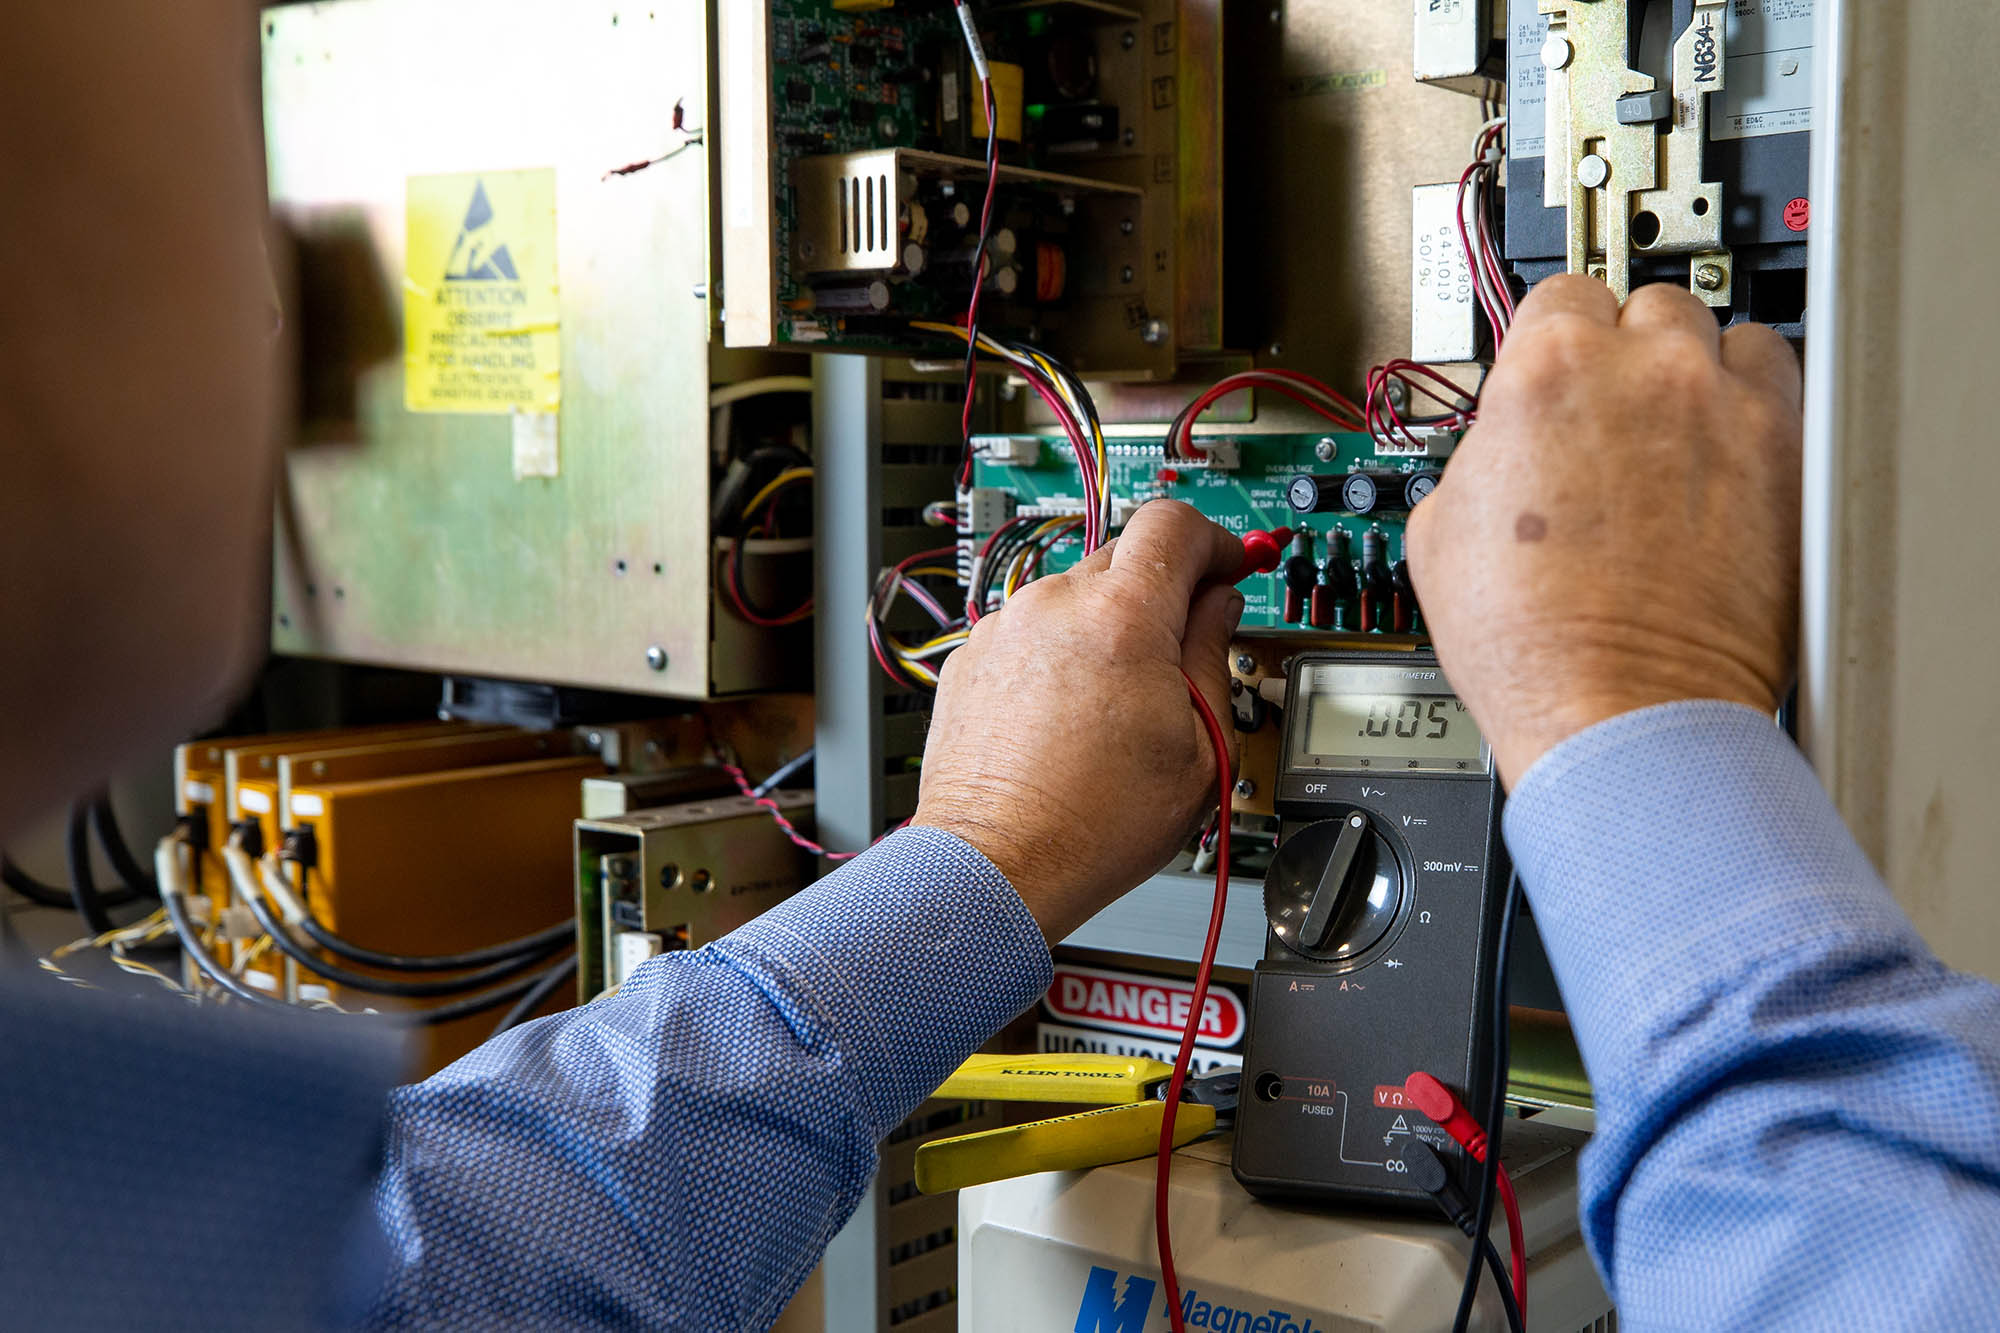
1442	1106
1429	1174
1262	551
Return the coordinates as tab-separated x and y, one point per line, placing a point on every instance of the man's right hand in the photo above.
1621	529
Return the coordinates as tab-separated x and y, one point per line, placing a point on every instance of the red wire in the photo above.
732	584
979	269
1163	1171
785	826
1517	1244
1270	379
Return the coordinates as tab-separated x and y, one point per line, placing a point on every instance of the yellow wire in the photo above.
791	476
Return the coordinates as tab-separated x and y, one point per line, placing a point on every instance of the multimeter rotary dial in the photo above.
1334	888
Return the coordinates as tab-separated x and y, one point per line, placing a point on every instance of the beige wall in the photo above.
1902	680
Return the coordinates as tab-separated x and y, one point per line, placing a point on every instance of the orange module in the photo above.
433	863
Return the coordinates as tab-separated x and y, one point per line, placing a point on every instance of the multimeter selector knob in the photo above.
1334	888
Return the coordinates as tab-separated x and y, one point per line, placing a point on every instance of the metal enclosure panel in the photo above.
1901	622
1327	135
404	538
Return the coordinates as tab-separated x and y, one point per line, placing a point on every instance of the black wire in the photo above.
36	892
733	571
112	839
1505	1281
89	903
536	945
479	1004
205	962
1496	1105
408	990
538	996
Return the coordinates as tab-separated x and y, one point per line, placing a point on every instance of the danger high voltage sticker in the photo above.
481	317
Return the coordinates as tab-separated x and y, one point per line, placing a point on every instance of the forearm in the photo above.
1798	1106
136	393
679	1154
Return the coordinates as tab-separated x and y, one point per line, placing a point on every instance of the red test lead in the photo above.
1262	551
1439	1103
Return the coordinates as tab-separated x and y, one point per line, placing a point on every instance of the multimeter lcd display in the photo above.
1386	718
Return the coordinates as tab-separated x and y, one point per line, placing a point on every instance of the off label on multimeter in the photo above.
1381	907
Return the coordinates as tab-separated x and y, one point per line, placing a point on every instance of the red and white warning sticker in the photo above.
1146	1006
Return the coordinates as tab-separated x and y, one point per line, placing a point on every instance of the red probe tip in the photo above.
1441	1105
1262	551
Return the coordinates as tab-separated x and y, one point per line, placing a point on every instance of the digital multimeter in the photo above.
1383	902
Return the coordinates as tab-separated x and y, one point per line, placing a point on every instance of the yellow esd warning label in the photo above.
481	309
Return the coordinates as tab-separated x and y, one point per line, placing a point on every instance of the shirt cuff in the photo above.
912	956
1676	846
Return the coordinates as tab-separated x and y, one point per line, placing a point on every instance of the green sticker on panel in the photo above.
481	315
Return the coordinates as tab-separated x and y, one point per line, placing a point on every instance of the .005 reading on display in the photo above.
1353	722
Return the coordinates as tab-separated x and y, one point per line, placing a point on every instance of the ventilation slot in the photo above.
867	218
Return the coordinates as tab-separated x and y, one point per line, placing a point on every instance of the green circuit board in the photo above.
1249	496
849	81
837	87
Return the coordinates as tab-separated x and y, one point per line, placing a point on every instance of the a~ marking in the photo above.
1530	528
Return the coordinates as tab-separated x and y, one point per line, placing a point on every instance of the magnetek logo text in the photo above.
1108	1307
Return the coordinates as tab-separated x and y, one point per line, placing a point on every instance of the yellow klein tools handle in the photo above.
1094	1080
1067	1143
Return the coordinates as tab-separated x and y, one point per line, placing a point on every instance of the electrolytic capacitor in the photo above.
1419	485
1368	492
872	296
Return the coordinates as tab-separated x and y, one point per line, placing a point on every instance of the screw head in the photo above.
1399	394
1326	451
1592	171
1125	226
1556	52
1125	274
1131	137
701	291
1245	789
1709	277
1245	663
1154	332
656	658
1128	39
596	740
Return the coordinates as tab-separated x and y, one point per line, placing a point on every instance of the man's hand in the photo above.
1064	745
1621	528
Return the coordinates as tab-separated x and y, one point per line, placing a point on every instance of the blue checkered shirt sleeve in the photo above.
676	1156
1798	1104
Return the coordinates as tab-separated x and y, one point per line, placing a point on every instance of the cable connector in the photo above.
1429	1174
247	835
301	848
1262	551
290	905
192	830
1440	1104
